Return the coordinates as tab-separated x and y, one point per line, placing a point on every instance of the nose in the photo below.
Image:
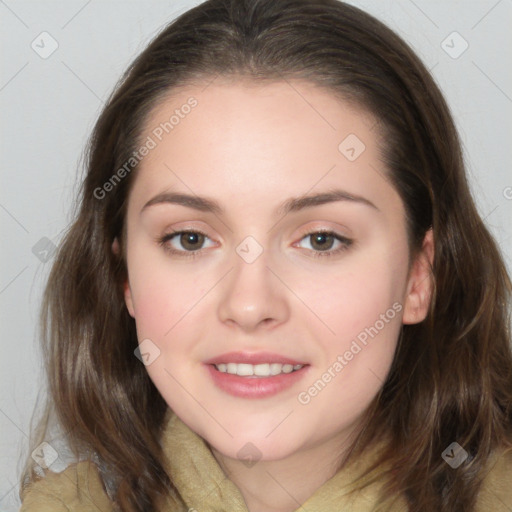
253	297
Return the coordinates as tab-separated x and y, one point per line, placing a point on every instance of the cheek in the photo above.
362	308
354	362
360	295
162	295
164	302
152	308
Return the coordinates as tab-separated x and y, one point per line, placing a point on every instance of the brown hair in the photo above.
451	378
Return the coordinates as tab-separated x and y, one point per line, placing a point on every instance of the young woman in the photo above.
277	294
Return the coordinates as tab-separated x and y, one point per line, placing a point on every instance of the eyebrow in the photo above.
294	204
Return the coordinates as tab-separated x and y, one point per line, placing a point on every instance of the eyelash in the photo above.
182	254
346	243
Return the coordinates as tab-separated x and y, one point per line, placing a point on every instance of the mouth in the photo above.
257	370
255	375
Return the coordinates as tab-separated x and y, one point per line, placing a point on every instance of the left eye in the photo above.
323	242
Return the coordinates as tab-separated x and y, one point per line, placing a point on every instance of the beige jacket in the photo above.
205	488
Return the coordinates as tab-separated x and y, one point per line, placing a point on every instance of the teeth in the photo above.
259	370
245	370
275	368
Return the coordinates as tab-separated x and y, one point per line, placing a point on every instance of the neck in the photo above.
284	485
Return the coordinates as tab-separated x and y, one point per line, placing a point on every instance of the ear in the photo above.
116	249
128	299
420	283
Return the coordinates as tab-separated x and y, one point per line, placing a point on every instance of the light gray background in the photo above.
48	107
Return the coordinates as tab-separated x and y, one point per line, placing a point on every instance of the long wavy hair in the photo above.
451	377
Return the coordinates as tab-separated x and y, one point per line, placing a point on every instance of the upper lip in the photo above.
252	358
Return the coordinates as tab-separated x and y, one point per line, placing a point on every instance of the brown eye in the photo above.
322	241
191	240
185	243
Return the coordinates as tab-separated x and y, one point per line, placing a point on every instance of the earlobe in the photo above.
420	285
128	299
116	249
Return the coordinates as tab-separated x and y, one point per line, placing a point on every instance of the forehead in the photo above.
257	142
227	110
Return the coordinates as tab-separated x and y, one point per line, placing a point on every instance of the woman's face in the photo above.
297	259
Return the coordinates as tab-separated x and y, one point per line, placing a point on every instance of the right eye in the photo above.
190	240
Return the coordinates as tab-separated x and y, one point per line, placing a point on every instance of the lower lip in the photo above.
255	387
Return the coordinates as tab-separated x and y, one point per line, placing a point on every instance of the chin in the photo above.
256	446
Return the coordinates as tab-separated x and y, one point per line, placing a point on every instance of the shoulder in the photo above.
496	491
76	489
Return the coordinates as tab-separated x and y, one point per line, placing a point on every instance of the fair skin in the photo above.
250	147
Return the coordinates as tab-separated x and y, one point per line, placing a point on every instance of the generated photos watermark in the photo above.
356	346
151	142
